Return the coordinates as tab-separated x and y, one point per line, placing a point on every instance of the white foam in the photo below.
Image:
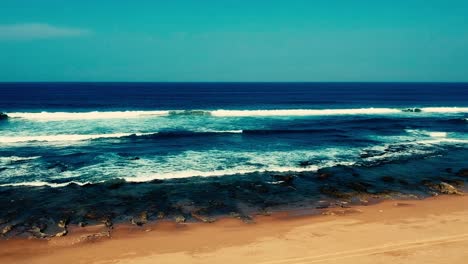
16	158
95	115
434	134
222	131
41	184
438	134
64	138
194	173
63	116
445	109
305	112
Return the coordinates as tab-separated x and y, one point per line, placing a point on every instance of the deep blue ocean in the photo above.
92	132
93	152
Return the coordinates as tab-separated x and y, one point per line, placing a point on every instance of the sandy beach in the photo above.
434	230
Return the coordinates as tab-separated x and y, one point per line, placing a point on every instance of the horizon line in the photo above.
231	82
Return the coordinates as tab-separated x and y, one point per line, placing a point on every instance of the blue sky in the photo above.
257	40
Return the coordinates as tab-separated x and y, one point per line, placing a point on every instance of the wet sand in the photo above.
434	230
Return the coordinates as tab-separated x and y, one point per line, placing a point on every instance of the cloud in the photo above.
28	31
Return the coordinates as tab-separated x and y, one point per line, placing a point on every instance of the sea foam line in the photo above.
304	112
193	173
64	116
42	184
96	115
64	138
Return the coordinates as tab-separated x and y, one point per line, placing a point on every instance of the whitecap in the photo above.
64	138
64	116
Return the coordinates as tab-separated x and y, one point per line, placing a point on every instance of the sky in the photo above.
234	40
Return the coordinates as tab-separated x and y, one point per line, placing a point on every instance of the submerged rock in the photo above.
286	179
463	173
324	176
202	218
115	183
3	116
305	163
388	179
333	192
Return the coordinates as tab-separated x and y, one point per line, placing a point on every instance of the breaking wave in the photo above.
96	115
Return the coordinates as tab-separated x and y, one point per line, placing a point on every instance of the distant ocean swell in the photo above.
63	116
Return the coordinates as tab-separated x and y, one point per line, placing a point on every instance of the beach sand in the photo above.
434	230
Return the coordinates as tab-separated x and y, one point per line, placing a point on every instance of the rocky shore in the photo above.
45	212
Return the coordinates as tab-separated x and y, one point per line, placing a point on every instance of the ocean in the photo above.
120	148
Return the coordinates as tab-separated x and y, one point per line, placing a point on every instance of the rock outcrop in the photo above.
443	188
3	116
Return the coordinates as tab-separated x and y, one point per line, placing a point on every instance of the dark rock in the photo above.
63	223
371	153
305	163
37	232
412	110
3	116
156	181
161	215
403	182
115	183
7	229
179	219
358	186
108	223
59	166
456	183
388	179
202	218
463	173
333	192
443	188
141	220
82	224
135	158
286	179
449	170
62	233
324	176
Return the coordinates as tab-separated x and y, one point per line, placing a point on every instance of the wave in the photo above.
433	134
445	109
42	184
155	135
63	138
96	115
290	131
13	159
304	112
192	173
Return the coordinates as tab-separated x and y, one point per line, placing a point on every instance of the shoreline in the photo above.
360	234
